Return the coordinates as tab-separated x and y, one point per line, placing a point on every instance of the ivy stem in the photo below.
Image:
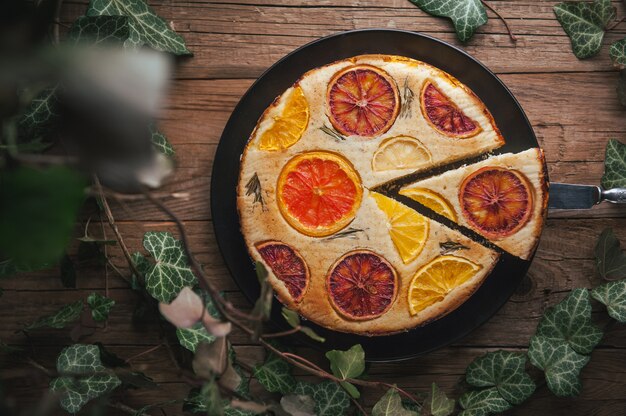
148	351
282	333
617	23
506	24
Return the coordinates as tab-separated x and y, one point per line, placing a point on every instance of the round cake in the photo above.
370	191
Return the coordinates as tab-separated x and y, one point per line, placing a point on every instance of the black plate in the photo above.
510	118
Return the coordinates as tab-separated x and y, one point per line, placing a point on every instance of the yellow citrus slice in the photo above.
436	279
318	193
288	126
400	152
407	228
431	200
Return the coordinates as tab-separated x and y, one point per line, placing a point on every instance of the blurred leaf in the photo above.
39	118
610	259
614	165
61	318
613	296
83	377
585	23
100	306
190	337
68	272
211	359
160	142
391	405
205	400
483	403
298	405
145	26
330	399
9	268
466	15
618	53
38	209
312	334
100	29
275	375
621	88
144	410
291	317
108	358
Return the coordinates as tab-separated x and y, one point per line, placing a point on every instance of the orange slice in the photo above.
287	127
436	279
444	115
400	152
431	200
362	100
407	228
496	201
318	193
287	265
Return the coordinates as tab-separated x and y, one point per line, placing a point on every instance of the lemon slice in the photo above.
289	125
401	152
436	279
408	229
431	200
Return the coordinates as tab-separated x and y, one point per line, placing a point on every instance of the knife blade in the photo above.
571	196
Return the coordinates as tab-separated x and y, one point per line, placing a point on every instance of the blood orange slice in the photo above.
361	285
362	100
318	193
496	201
287	265
444	115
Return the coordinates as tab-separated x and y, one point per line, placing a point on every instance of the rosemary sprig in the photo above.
451	246
407	99
332	133
351	233
254	187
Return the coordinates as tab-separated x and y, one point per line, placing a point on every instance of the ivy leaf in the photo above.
38	209
61	318
100	29
440	405
146	27
293	319
160	142
83	377
330	398
569	322
38	119
391	405
190	338
275	375
560	363
585	24
610	259
100	306
621	88
171	272
347	364
9	268
613	296
483	403
205	400
618	53
466	15
614	165
298	405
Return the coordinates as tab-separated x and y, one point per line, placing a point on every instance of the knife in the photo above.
570	196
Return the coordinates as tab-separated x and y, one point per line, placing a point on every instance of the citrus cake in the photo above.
345	249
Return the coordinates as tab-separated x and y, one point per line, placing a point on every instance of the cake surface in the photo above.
356	260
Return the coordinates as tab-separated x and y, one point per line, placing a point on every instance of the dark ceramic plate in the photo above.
510	118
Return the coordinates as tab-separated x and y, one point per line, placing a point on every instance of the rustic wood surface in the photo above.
572	105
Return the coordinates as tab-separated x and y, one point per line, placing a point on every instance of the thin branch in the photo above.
617	23
506	24
282	333
124	408
148	351
137	197
356	403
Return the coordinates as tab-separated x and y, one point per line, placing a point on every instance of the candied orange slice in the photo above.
362	100
436	279
288	126
400	152
431	200
318	193
287	265
444	115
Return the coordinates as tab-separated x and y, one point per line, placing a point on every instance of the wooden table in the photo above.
572	105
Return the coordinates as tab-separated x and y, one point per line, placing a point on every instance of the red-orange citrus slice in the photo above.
318	193
362	101
444	115
287	265
496	201
362	285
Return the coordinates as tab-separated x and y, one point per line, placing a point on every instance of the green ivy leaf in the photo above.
83	377
9	268
159	140
171	272
190	338
100	306
585	24
503	370
347	364
38	119
439	405
618	53
391	405
38	209
291	317
613	296
560	363
621	88
100	29
614	165
483	402
275	375
466	15
330	399
610	260
61	318
206	400
570	322
146	27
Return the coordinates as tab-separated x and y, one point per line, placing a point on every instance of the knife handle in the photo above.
615	195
